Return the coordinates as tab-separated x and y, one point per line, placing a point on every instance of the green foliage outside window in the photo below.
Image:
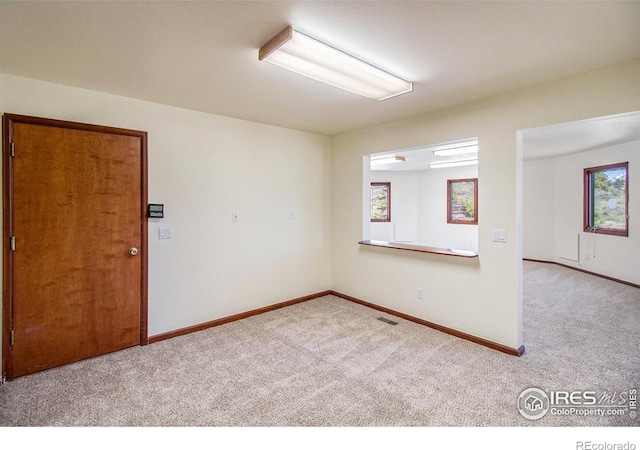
608	199
462	200
380	202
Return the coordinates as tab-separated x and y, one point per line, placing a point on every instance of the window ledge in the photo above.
422	249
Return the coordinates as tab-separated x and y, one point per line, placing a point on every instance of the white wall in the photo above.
482	296
433	229
404	207
539	217
419	209
555	187
203	167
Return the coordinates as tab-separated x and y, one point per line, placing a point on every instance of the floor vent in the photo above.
390	322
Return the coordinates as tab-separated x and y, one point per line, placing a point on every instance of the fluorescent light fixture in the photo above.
467	162
462	150
307	56
387	160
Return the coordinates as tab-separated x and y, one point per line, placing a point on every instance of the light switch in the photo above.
164	233
499	235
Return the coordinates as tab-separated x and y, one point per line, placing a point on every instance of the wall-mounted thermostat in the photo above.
155	211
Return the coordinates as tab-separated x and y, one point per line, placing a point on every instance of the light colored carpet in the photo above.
330	362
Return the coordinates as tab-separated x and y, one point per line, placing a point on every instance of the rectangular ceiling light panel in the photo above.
457	150
387	160
307	56
468	162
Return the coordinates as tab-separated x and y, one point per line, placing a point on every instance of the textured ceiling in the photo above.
203	55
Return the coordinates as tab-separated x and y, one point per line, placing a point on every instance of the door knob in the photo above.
133	251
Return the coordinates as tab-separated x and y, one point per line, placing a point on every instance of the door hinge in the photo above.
12	150
12	337
12	243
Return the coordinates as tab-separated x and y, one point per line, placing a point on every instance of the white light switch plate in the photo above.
164	233
499	235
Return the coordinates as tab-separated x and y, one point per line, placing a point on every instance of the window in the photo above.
606	199
419	214
462	201
381	202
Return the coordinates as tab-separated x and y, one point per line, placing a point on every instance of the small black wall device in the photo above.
155	211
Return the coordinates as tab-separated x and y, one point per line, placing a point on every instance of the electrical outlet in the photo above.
419	293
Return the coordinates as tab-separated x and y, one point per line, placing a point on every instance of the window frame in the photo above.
450	184
388	186
588	207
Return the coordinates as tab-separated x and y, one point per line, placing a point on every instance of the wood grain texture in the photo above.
76	210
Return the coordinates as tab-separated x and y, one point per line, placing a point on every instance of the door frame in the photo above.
8	120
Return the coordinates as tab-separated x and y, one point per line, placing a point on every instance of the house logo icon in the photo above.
533	403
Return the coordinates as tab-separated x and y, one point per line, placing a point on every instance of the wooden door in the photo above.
76	228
